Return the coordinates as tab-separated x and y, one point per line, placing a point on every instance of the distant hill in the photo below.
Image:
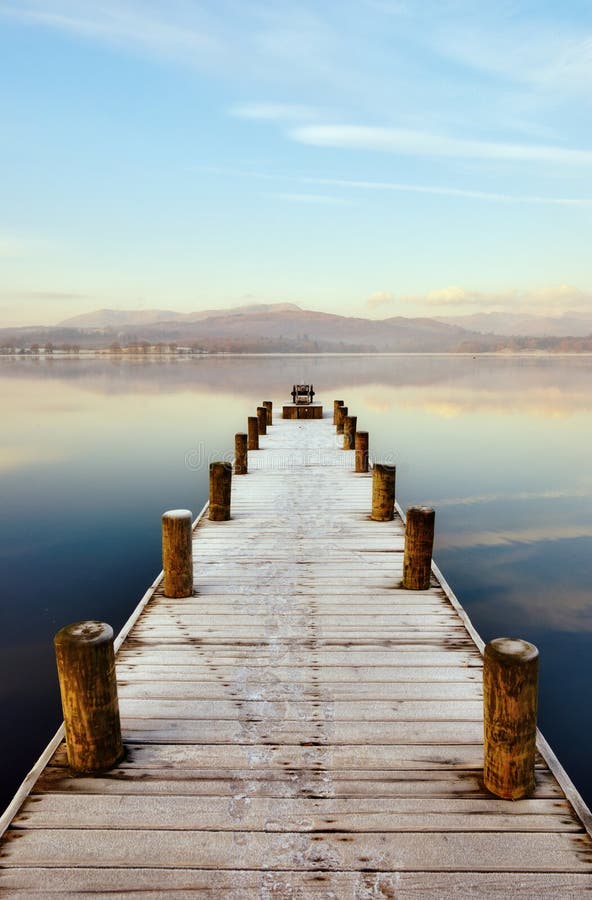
273	327
569	324
122	318
286	327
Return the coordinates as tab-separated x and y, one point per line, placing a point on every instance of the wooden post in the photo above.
510	682
419	541
220	490
349	432
262	419
361	448
269	407
88	687
240	454
253	429
383	492
341	414
177	553
336	405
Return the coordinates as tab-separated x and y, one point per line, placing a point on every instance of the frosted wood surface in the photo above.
296	781
336	675
253	814
499	851
325	759
294	710
274	731
300	727
104	884
289	691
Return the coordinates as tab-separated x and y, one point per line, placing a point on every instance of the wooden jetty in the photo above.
300	727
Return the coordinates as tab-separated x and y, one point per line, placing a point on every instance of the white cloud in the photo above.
398	187
274	112
322	199
180	31
418	143
380	298
453	296
551	57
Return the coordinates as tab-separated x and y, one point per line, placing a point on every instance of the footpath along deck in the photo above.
301	727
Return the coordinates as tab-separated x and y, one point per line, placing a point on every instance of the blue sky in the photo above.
378	157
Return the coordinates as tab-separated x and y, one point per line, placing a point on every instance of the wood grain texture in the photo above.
301	726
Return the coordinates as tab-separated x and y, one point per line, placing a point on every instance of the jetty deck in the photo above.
300	727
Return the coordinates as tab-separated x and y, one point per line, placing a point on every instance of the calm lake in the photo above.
94	451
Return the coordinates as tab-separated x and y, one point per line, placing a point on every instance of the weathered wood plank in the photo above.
294	710
251	690
291	732
259	655
141	883
246	813
135	670
451	851
328	758
272	779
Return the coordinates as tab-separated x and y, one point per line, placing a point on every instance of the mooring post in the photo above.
419	542
350	424
177	553
336	405
383	492
88	687
510	686
269	407
253	430
342	412
262	419
361	448
220	491
240	454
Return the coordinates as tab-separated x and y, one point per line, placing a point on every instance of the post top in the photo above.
177	514
383	467
423	510
89	632
511	650
223	463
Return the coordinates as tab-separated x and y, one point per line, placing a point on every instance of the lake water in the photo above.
94	450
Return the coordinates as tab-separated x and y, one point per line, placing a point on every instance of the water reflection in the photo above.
93	450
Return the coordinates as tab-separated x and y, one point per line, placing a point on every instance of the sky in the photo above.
367	157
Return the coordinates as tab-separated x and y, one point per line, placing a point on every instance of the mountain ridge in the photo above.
287	327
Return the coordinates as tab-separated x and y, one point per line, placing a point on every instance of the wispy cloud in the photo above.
321	199
274	112
544	55
445	191
477	499
45	295
554	300
418	143
534	535
180	31
397	187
